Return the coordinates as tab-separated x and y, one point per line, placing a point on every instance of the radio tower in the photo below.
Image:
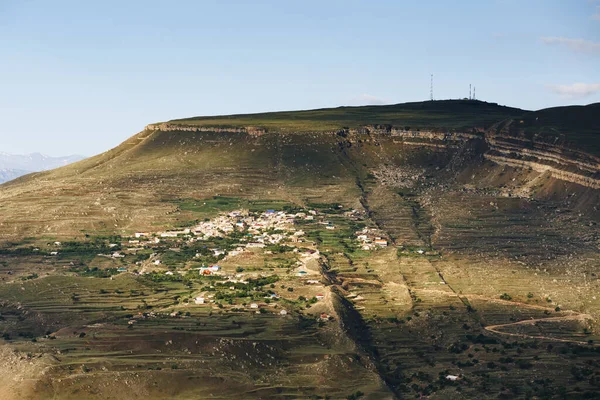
474	97
469	91
431	89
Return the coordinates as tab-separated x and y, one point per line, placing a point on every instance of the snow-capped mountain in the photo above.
14	165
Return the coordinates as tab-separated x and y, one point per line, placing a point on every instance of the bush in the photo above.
505	296
355	396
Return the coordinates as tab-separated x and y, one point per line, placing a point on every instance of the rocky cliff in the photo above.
503	148
560	161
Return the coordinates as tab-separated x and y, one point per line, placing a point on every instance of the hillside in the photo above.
362	252
574	126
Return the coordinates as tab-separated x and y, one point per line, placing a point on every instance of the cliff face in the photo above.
560	161
503	148
165	127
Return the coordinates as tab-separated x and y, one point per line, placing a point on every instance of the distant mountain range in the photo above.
14	165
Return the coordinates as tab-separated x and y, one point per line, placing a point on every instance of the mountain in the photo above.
13	166
8	174
447	249
294	155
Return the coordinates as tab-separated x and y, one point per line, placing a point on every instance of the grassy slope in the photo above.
447	114
574	126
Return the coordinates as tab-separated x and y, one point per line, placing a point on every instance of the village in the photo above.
262	262
225	241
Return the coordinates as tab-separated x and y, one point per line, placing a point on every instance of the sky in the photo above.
80	77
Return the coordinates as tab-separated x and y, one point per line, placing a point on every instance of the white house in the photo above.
199	300
259	245
169	234
253	305
381	242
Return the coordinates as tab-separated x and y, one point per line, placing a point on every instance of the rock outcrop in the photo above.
561	162
164	127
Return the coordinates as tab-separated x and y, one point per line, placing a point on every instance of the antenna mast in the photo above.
469	91
431	89
474	97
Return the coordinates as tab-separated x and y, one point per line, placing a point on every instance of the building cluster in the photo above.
257	226
370	239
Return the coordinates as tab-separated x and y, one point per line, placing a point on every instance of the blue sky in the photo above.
82	76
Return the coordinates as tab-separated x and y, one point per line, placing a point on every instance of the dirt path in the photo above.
574	316
533	321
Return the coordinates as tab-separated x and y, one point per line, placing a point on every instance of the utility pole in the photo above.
431	89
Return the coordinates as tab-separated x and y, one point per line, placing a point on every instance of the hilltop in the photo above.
442	114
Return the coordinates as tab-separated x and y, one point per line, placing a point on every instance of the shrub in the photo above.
355	396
